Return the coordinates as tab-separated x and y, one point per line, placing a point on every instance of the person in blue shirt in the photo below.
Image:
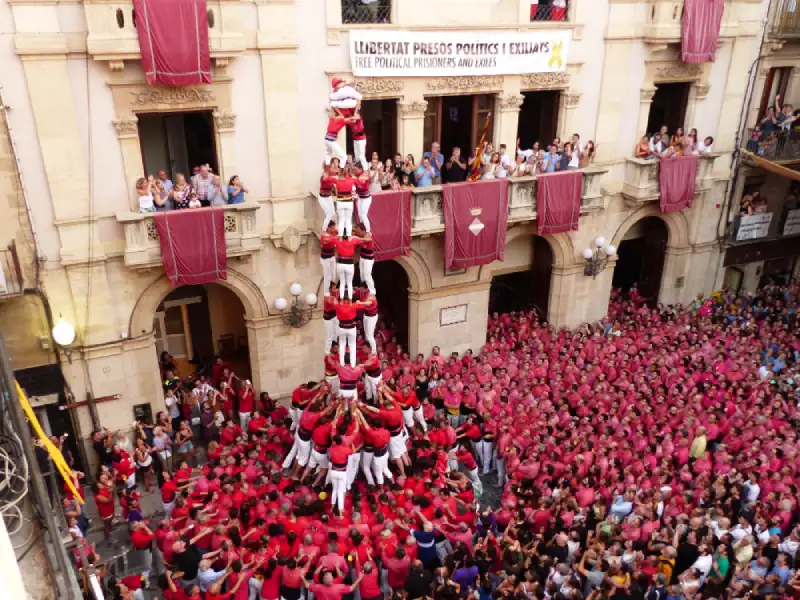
236	191
551	158
437	160
425	173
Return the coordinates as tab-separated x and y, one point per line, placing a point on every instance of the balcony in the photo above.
112	34
775	146
786	20
427	216
546	11
358	13
143	249
663	24
641	178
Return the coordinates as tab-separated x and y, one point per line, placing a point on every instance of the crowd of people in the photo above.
663	144
204	188
775	131
651	455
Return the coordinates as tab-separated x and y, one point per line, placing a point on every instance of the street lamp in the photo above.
63	335
299	313
596	259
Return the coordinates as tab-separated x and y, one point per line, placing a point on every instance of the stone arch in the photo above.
677	225
419	275
560	243
253	301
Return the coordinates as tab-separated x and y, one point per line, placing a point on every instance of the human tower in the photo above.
336	433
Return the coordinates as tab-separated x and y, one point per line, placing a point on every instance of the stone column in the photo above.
412	127
698	92
568	107
612	102
225	125
646	99
507	121
128	135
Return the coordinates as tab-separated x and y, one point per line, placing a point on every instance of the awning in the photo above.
773	167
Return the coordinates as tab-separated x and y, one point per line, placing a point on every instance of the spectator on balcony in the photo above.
551	159
488	151
657	145
573	155
770	122
194	201
217	196
180	192
493	169
145	189
236	191
437	160
456	169
588	152
677	137
690	142
203	183
375	174
163	198
405	182
408	168
165	181
425	173
389	174
707	146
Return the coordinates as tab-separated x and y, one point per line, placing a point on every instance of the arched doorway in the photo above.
641	255
195	323
530	288
391	285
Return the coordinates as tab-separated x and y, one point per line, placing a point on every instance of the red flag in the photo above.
475	173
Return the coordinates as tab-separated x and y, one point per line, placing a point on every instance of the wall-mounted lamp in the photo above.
63	335
596	259
298	314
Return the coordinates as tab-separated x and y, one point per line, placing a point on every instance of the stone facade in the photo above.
272	65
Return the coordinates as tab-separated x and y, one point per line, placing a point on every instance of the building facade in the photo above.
82	125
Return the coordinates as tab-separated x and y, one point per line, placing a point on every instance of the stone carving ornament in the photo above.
540	80
375	86
680	71
126	127
225	120
513	102
173	96
413	109
480	82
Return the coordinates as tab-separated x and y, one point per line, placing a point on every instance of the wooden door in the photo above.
433	123
541	275
388	129
653	256
482	108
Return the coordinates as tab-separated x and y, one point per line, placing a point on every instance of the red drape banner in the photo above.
193	245
677	178
701	23
173	38
558	201
390	221
475	220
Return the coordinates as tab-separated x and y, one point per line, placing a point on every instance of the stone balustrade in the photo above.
143	249
641	185
427	216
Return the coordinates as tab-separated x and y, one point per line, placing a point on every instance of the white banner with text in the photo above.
792	225
752	227
381	53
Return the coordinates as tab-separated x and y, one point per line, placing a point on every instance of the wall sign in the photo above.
792	225
452	315
381	53
752	227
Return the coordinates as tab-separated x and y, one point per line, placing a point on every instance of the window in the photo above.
366	11
177	142
549	10
669	107
776	83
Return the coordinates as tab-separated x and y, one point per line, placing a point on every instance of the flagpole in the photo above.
475	172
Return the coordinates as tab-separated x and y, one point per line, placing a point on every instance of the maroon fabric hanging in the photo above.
475	222
193	245
173	38
558	201
390	221
701	23
677	178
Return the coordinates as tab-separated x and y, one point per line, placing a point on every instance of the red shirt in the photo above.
140	539
346	248
246	401
329	592
344	188
346	312
104	509
335	125
308	420
377	437
410	401
392	417
168	491
339	455
321	436
466	459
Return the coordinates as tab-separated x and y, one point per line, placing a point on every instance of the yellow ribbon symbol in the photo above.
556	61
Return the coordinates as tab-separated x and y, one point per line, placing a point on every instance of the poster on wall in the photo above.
792	225
752	227
381	53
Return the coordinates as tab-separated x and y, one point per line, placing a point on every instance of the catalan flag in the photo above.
475	172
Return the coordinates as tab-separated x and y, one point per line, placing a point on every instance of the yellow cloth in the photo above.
698	449
52	450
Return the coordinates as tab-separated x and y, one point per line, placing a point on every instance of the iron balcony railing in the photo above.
550	10
366	11
786	19
778	146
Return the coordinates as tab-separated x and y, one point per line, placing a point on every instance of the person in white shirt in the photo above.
703	562
706	147
145	189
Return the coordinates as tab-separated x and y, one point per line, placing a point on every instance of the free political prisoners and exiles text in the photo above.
422	55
